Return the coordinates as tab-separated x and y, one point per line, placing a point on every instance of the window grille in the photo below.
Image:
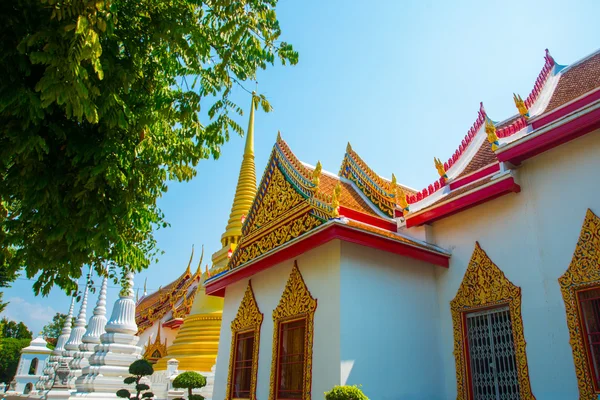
491	351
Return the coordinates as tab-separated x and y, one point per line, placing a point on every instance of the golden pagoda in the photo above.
197	341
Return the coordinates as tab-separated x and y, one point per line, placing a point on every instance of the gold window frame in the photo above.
583	273
483	286
248	319
296	303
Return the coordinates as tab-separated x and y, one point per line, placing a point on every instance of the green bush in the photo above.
138	369
190	380
345	393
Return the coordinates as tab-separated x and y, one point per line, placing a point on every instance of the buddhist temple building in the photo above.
160	314
483	285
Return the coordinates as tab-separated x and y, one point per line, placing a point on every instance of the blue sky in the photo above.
400	80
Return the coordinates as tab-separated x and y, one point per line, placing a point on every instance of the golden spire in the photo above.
246	186
199	269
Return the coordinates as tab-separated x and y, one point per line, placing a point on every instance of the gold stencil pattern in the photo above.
248	318
583	273
485	285
296	303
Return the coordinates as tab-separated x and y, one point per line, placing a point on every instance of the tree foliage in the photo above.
10	353
100	107
52	330
138	370
2	304
189	380
345	393
12	329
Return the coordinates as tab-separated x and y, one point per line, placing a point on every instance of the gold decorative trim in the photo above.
583	273
485	285
248	318
296	303
156	347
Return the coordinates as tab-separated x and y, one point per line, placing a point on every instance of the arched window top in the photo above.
33	366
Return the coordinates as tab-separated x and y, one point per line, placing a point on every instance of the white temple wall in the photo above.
320	269
22	376
531	236
390	325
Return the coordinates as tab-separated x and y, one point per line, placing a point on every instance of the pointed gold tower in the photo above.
197	342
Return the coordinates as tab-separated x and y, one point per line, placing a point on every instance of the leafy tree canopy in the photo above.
12	329
52	330
100	105
345	393
138	370
189	380
2	304
10	353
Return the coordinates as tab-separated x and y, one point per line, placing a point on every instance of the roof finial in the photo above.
145	282
316	174
402	201
335	199
490	130
279	136
199	269
440	168
348	148
521	106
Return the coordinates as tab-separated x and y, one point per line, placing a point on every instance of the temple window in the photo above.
580	287
589	303
33	366
28	388
291	359
242	365
245	341
293	331
489	342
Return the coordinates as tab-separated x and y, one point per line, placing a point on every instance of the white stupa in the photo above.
31	364
46	381
109	364
90	339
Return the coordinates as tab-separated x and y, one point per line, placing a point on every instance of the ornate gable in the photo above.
380	192
288	203
583	273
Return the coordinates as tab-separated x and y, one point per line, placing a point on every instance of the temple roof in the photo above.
171	297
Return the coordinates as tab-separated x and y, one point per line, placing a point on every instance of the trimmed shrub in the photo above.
345	393
190	380
138	369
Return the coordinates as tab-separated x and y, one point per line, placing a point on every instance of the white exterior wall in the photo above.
531	236
320	269
390	325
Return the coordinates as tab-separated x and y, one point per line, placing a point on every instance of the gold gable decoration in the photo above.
485	285
157	350
296	303
248	318
583	273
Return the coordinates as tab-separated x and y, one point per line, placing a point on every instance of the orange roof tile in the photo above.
575	82
483	157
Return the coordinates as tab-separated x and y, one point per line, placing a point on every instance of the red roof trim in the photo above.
331	232
173	323
368	219
531	146
475	176
566	109
480	195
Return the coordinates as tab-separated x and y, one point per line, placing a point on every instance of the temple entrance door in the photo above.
491	350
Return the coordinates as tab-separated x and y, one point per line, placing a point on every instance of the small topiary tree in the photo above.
345	393
138	369
190	380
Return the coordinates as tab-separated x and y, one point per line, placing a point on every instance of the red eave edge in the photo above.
469	200
331	232
529	147
173	323
368	219
475	176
